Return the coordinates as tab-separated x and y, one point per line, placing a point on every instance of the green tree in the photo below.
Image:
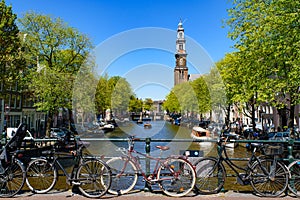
216	87
113	93
267	40
135	104
203	95
171	104
11	62
189	97
84	91
55	53
121	95
147	104
102	96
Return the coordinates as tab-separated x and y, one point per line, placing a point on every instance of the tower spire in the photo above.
181	70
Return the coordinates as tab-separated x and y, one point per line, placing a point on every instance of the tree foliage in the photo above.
11	61
55	52
192	97
266	35
113	93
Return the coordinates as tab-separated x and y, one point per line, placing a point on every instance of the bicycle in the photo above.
12	170
294	182
174	174
92	175
267	175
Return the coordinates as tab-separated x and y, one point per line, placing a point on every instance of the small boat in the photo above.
147	125
201	134
139	121
232	136
108	127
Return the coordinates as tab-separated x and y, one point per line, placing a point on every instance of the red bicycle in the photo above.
174	174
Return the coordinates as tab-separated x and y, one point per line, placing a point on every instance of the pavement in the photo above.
138	194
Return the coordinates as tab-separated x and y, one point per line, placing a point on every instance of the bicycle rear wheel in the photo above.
41	176
176	177
94	177
210	174
12	179
294	181
124	175
270	178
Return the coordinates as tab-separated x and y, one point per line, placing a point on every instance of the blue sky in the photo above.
106	20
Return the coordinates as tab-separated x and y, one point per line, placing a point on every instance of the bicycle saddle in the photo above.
163	148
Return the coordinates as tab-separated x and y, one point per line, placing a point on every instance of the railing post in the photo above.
290	150
147	163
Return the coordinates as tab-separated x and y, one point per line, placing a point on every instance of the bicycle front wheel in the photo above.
94	177
294	181
176	177
12	179
124	175
210	174
269	178
41	176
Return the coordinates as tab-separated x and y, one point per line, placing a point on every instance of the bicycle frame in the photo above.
242	177
152	178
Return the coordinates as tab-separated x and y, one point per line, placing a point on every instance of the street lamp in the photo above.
7	110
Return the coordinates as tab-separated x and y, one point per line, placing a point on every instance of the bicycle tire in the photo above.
176	177
94	177
210	174
41	176
294	181
270	184
12	179
124	175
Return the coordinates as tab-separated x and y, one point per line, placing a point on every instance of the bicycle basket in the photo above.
275	149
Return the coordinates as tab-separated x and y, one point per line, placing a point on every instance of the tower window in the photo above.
180	35
181	46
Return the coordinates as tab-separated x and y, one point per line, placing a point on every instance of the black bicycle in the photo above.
267	175
92	175
12	170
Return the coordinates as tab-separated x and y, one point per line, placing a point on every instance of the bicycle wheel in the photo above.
124	175
294	181
12	179
94	177
176	177
210	174
269	178
41	176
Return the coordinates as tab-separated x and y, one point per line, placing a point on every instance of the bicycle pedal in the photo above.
75	183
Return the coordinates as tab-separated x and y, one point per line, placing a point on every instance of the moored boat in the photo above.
147	125
200	133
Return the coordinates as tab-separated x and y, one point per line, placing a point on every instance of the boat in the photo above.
108	127
232	136
139	121
200	133
147	125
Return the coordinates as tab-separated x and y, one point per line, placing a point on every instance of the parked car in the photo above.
59	132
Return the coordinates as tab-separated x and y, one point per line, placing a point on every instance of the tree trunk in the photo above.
291	117
49	124
253	116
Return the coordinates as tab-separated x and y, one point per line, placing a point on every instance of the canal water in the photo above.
160	130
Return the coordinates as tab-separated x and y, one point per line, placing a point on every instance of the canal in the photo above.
161	130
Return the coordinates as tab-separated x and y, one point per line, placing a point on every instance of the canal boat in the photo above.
147	125
232	136
108	128
200	133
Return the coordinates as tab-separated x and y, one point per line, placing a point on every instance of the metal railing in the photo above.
290	143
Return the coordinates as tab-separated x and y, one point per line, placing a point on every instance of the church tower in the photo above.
181	70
